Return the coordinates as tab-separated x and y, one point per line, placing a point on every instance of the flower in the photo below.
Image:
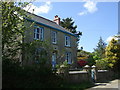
82	62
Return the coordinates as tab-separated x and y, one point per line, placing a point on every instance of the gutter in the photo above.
51	27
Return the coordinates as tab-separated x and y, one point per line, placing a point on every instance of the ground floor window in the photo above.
54	57
68	57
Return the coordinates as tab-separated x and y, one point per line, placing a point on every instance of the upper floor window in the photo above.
68	57
38	33
54	37
67	41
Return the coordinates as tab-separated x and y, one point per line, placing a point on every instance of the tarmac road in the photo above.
112	85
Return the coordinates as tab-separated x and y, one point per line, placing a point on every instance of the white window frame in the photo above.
40	33
67	41
68	57
54	37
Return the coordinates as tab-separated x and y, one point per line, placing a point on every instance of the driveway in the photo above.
112	85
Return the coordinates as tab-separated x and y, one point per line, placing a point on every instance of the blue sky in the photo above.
93	19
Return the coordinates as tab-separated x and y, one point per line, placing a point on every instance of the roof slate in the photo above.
47	22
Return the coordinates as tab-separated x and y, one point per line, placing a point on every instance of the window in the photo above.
37	56
67	41
68	57
54	56
54	37
38	33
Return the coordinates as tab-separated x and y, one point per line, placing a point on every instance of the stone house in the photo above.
63	42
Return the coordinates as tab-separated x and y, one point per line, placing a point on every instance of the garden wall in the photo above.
83	76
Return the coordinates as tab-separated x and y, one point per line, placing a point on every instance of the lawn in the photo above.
77	86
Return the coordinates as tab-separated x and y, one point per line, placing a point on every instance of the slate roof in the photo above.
49	23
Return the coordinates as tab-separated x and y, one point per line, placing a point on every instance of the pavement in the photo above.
112	85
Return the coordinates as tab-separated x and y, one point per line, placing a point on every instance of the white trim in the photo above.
67	41
54	37
68	57
38	33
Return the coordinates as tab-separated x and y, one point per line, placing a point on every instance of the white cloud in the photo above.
45	8
90	7
109	38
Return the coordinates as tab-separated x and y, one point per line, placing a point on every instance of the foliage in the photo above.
101	64
15	76
113	54
99	52
83	53
91	60
63	67
87	56
68	24
12	28
38	52
82	63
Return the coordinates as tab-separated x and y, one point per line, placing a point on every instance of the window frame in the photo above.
67	41
68	57
54	37
40	33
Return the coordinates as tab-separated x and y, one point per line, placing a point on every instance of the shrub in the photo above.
82	63
15	76
102	64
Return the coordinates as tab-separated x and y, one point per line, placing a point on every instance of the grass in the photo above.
77	86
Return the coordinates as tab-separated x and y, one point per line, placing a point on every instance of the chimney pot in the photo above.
57	20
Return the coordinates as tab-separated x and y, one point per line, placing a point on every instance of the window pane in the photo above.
37	36
41	34
54	40
37	30
34	35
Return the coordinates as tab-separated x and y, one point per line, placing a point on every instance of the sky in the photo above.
93	19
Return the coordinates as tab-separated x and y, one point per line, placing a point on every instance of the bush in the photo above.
82	63
102	64
15	76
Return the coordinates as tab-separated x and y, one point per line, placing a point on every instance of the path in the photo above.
112	85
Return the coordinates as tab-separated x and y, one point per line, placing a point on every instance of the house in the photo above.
62	41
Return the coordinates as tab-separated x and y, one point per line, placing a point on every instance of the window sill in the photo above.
68	46
54	43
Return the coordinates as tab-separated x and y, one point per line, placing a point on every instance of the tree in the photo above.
68	24
100	50
113	55
12	28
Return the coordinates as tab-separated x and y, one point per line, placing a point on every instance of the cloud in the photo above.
45	8
90	7
109	38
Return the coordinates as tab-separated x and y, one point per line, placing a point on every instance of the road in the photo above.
113	85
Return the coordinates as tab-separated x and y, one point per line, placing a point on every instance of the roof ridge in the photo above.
42	17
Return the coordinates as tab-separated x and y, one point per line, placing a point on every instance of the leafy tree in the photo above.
100	50
12	28
113	54
91	60
101	64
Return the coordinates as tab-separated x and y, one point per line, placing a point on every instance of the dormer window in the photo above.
38	33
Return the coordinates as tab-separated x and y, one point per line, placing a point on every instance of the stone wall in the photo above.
83	76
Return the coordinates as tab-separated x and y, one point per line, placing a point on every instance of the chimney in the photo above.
57	20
